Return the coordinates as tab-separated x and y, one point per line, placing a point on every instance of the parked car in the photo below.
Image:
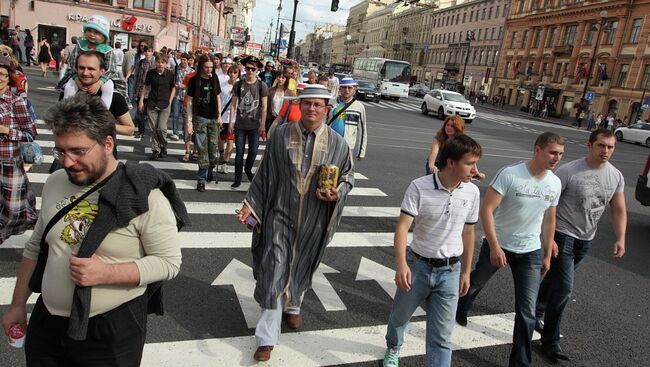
642	192
367	91
419	90
341	75
447	103
637	133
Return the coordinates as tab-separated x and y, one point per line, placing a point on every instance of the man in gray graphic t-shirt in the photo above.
588	185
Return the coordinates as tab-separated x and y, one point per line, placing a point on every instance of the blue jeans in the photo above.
241	136
177	123
526	273
557	285
439	287
206	139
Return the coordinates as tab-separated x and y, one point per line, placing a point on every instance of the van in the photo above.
642	192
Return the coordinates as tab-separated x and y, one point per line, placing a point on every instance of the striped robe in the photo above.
295	226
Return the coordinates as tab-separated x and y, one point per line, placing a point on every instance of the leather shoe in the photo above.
154	156
263	353
200	187
235	185
163	152
249	175
461	318
294	322
552	353
539	326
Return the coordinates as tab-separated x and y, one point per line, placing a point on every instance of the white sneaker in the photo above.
391	357
173	137
222	168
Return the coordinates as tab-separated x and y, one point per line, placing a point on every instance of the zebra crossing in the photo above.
394	105
526	125
354	280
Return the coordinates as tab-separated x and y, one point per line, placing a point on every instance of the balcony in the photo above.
565	50
452	66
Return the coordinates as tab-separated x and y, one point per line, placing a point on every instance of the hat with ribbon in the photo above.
315	91
100	24
347	82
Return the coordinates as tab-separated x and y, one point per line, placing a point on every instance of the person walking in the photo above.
248	112
96	284
17	202
348	118
204	101
518	208
429	270
160	89
44	56
589	184
276	98
143	66
292	218
15	44
452	126
29	48
226	141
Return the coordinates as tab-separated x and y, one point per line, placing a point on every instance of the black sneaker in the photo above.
210	175
551	353
154	156
137	135
461	318
235	185
163	152
539	326
250	176
200	187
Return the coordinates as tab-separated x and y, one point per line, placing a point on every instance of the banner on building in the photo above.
238	36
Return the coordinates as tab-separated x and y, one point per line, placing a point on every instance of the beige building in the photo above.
356	26
338	47
558	52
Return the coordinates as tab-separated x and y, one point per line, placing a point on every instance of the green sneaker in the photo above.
391	357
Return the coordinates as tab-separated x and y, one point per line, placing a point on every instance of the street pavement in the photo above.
210	313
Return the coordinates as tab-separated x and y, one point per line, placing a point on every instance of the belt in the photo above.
437	263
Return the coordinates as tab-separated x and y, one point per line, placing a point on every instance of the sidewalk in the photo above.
514	110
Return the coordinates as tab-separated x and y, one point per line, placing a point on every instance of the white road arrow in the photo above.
240	276
370	270
325	291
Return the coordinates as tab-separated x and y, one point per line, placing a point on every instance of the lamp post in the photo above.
347	44
277	28
292	35
469	37
603	15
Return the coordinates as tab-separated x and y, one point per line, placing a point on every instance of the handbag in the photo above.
52	64
31	152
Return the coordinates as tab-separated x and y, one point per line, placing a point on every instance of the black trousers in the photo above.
115	338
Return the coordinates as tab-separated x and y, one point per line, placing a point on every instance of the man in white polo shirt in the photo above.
444	207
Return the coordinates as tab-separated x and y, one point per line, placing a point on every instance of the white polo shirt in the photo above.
440	215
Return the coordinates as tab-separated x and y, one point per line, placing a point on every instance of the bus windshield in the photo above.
396	72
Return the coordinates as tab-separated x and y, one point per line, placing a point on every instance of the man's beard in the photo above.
92	177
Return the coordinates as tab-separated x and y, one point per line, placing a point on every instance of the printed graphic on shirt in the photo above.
530	190
78	221
591	194
248	104
206	95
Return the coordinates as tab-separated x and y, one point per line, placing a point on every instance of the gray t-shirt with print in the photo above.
585	195
249	103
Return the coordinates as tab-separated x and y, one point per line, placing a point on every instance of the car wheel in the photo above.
468	121
425	110
647	142
396	99
441	113
377	100
619	135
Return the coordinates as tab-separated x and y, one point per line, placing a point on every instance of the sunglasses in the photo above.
248	68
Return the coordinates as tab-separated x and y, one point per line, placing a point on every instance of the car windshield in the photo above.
453	97
365	84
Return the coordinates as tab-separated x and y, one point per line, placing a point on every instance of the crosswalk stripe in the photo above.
235	240
325	347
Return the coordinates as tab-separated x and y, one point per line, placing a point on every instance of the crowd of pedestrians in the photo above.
98	284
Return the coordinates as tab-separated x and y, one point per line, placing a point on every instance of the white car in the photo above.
447	103
637	133
642	192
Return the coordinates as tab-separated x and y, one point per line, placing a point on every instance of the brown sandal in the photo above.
186	157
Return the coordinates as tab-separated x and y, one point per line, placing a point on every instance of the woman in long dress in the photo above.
17	200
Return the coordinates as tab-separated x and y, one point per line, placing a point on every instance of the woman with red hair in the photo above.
453	125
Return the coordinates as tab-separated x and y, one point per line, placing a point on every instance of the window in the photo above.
464	16
505	10
513	40
505	71
570	35
500	32
636	30
537	38
544	68
490	13
110	2
480	31
591	33
492	33
496	13
483	14
144	4
622	75
520	7
551	37
611	32
471	15
645	83
558	70
524	41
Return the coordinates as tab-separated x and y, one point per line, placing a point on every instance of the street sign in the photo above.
540	93
589	96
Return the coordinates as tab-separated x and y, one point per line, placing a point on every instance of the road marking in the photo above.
221	186
325	291
242	240
325	347
7	291
385	276
240	277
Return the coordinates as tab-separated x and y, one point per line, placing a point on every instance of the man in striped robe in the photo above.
293	219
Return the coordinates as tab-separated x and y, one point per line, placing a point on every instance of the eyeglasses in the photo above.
313	105
74	154
248	68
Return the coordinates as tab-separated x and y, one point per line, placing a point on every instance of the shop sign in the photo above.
238	34
128	23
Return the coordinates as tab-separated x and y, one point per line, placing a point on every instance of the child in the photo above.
96	35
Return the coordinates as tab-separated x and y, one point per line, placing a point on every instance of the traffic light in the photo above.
335	5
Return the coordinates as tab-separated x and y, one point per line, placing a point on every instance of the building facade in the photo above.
184	24
576	55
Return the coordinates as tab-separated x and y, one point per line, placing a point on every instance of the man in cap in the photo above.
292	219
248	114
348	118
222	73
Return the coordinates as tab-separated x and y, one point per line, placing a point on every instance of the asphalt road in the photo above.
605	324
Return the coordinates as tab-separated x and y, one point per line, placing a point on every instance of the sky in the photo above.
310	13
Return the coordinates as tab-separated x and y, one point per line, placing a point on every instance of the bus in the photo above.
391	76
